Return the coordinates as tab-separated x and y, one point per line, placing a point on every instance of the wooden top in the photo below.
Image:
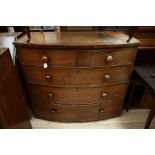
79	40
145	72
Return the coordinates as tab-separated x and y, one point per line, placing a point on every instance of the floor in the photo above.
134	119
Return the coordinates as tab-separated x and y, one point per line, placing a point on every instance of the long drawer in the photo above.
76	113
115	56
73	76
76	95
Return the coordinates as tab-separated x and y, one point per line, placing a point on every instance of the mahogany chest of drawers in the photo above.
76	76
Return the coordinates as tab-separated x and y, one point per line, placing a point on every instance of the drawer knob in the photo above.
48	77
107	77
109	58
101	110
45	59
50	95
53	110
104	94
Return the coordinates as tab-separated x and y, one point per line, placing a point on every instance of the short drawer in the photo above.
72	58
76	113
77	95
38	56
118	56
73	76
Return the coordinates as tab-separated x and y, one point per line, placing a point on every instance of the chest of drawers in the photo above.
76	76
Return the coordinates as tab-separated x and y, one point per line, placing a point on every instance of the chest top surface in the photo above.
77	40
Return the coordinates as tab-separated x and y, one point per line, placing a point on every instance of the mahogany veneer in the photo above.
76	76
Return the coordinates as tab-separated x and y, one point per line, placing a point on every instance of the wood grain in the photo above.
72	113
76	58
76	40
13	109
79	69
85	95
79	76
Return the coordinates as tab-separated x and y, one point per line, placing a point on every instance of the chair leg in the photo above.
149	119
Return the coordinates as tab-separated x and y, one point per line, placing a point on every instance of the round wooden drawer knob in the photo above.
48	77
107	77
50	95
45	59
109	58
101	110
104	94
53	111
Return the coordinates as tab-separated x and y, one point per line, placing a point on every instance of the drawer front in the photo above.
76	113
118	56
76	95
79	76
34	56
72	58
